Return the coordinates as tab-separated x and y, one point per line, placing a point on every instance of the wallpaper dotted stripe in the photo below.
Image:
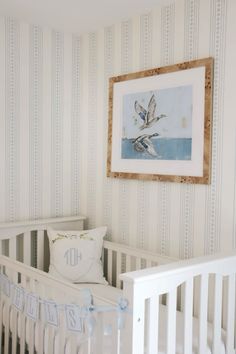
109	38
186	233
35	114
191	29
57	122
217	48
167	34
187	197
92	128
143	187
164	190
12	119
75	124
124	190
163	218
146	41
126	46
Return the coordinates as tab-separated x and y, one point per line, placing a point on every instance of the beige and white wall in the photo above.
53	127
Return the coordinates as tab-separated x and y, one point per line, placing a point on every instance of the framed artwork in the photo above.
160	123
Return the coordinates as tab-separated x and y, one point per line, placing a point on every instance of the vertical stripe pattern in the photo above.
57	115
108	71
12	118
75	124
167	57
217	48
143	188
92	127
35	116
124	195
188	191
156	215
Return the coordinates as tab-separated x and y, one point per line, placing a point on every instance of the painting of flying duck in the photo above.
157	125
160	123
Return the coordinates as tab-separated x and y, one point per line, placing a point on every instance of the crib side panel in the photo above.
216	281
119	258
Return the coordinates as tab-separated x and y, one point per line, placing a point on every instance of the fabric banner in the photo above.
76	317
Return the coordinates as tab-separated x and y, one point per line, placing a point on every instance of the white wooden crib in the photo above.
173	307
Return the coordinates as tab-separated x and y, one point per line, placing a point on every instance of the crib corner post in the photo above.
133	342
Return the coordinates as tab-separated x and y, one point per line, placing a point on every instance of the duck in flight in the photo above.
143	144
148	116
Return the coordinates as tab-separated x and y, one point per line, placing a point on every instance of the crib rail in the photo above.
119	258
215	276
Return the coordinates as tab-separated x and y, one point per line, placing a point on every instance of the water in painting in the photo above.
157	124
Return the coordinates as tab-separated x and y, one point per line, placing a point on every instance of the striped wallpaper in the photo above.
53	127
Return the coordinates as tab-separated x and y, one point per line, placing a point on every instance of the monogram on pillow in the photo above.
75	256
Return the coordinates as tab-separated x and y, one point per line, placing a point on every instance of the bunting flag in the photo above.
76	317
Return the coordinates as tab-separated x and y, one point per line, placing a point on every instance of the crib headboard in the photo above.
26	241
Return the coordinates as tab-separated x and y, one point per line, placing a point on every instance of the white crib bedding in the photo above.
111	294
180	331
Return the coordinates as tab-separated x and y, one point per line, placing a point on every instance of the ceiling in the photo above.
76	16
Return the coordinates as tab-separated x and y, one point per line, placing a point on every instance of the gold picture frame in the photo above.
160	123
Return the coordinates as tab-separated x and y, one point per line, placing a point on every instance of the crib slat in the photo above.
153	319
148	263
134	342
40	336
27	248
115	336
109	267
230	314
22	334
73	344
51	335
128	263
14	330
171	321
62	337
118	269
217	313
40	249
203	303
12	248
99	332
138	263
31	336
188	316
22	321
7	328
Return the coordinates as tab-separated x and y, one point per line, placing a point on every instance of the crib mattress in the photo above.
106	292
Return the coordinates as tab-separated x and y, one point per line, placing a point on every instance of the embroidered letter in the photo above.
73	318
73	256
51	313
18	297
32	306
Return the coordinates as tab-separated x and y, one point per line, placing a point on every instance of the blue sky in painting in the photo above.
175	103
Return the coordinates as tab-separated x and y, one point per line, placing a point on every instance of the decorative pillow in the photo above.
75	256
